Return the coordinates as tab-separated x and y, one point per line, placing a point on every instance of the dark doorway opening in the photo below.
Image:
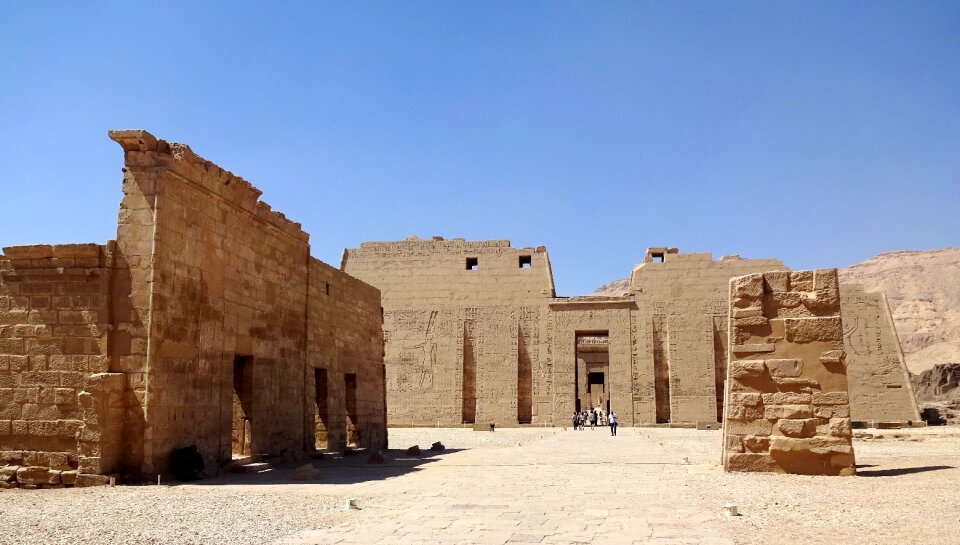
322	414
350	389
592	371
241	440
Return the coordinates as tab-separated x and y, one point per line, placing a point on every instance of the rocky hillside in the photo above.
923	289
938	391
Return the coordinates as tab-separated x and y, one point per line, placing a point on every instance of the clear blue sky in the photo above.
819	133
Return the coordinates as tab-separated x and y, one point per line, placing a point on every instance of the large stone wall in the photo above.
787	404
345	336
220	286
206	314
60	409
467	346
459	318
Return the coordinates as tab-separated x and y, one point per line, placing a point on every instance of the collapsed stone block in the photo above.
803	396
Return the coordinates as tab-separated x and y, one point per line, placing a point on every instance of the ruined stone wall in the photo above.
223	285
787	406
345	336
60	409
463	328
683	320
880	388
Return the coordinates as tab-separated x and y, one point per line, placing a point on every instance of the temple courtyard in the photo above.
547	485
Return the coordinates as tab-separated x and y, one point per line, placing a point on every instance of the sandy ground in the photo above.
528	486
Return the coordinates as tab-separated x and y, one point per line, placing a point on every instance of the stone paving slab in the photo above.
567	488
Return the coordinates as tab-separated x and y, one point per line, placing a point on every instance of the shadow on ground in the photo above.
899	471
334	468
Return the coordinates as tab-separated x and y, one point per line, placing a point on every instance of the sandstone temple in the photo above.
475	333
207	324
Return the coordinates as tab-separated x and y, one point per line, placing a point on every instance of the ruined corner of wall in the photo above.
786	404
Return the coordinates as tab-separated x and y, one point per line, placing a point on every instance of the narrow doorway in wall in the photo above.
350	391
242	428
592	386
322	414
469	407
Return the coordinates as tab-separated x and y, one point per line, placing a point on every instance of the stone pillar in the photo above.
786	406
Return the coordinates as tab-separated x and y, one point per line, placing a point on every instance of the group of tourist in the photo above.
595	416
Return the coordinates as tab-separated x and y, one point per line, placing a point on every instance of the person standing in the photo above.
613	423
593	419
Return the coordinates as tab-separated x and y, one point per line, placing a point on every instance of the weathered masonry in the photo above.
205	323
787	402
475	333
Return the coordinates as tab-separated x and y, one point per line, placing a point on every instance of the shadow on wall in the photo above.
900	471
336	469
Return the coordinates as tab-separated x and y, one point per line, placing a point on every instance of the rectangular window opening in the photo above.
657	258
473	263
328	288
526	261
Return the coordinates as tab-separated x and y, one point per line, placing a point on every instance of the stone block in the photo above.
840	427
796	383
747	312
8	473
752	462
785	367
751	321
757	443
756	348
747	368
35	475
788	411
86	479
306	472
759	426
787	398
776	281
69	478
814	445
749	286
830	398
832	357
832	411
740	412
807	330
746	399
801	281
802	427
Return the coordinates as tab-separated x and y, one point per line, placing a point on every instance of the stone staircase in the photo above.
254	463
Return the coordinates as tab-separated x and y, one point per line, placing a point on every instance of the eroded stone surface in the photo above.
803	394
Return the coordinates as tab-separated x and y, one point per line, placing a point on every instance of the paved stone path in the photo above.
571	487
